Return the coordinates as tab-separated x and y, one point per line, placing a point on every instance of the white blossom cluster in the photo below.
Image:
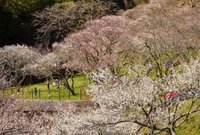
13	59
124	106
44	66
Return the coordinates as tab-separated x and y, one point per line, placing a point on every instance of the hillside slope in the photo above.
167	22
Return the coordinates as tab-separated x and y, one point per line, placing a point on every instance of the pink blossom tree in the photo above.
164	35
104	43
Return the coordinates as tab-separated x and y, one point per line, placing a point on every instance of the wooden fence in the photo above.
55	94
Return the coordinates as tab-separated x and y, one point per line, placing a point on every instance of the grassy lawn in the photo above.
79	84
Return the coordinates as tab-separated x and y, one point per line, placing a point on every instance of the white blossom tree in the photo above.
49	66
12	61
15	121
127	106
45	67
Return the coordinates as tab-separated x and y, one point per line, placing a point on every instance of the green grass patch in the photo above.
80	83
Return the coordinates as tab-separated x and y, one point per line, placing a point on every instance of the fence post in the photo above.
39	93
58	93
80	93
68	94
32	93
48	88
22	93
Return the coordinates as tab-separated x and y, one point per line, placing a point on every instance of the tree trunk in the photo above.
72	82
58	89
67	86
19	83
48	87
172	131
18	88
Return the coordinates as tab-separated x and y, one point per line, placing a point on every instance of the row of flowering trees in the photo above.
165	41
113	42
20	61
123	106
104	43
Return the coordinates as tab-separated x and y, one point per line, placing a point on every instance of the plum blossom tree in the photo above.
13	59
64	54
136	104
104	43
49	66
15	121
165	37
45	67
